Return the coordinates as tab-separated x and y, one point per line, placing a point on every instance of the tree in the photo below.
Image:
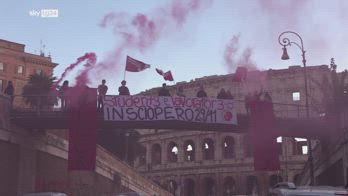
334	102
37	92
335	91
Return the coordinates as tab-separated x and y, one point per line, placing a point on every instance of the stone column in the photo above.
218	140
181	151
148	154
164	146
239	147
198	149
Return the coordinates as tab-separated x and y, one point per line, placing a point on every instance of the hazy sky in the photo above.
192	47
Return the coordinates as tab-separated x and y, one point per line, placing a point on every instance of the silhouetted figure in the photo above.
102	90
164	91
180	92
229	95
63	92
267	97
123	90
222	94
201	92
9	90
247	101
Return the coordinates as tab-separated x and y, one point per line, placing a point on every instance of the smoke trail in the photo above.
140	32
246	61
90	57
232	61
230	54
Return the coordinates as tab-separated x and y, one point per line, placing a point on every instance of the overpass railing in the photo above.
19	105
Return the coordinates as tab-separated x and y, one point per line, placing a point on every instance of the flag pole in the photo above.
124	74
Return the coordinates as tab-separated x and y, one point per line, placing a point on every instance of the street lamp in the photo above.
285	41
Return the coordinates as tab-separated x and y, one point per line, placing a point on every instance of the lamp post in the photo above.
285	41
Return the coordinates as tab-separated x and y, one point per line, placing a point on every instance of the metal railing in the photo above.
281	110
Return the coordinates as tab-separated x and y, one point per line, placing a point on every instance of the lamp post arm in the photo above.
286	41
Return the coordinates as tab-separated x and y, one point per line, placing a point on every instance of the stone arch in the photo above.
252	186
228	147
229	186
189	150
208	149
172	152
189	187
209	187
274	179
156	154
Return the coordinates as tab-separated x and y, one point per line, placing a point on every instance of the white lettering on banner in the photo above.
154	108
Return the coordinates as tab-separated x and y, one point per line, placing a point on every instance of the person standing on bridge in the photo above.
201	92
63	94
123	90
222	94
229	95
9	90
247	101
102	90
164	91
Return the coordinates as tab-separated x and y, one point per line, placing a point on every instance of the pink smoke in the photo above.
233	59
246	61
230	53
140	32
286	12
91	59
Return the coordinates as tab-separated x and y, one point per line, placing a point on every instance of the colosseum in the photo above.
187	162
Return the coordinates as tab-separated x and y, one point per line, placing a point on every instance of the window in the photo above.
172	154
20	69
38	71
208	149
296	96
300	146
2	67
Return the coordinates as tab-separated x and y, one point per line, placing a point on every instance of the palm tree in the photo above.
37	92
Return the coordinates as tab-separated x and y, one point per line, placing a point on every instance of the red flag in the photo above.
82	129
133	65
168	76
263	136
159	71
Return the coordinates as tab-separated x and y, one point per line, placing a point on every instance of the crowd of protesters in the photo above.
102	89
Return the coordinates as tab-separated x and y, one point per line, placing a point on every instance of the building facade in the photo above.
16	65
37	160
220	163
